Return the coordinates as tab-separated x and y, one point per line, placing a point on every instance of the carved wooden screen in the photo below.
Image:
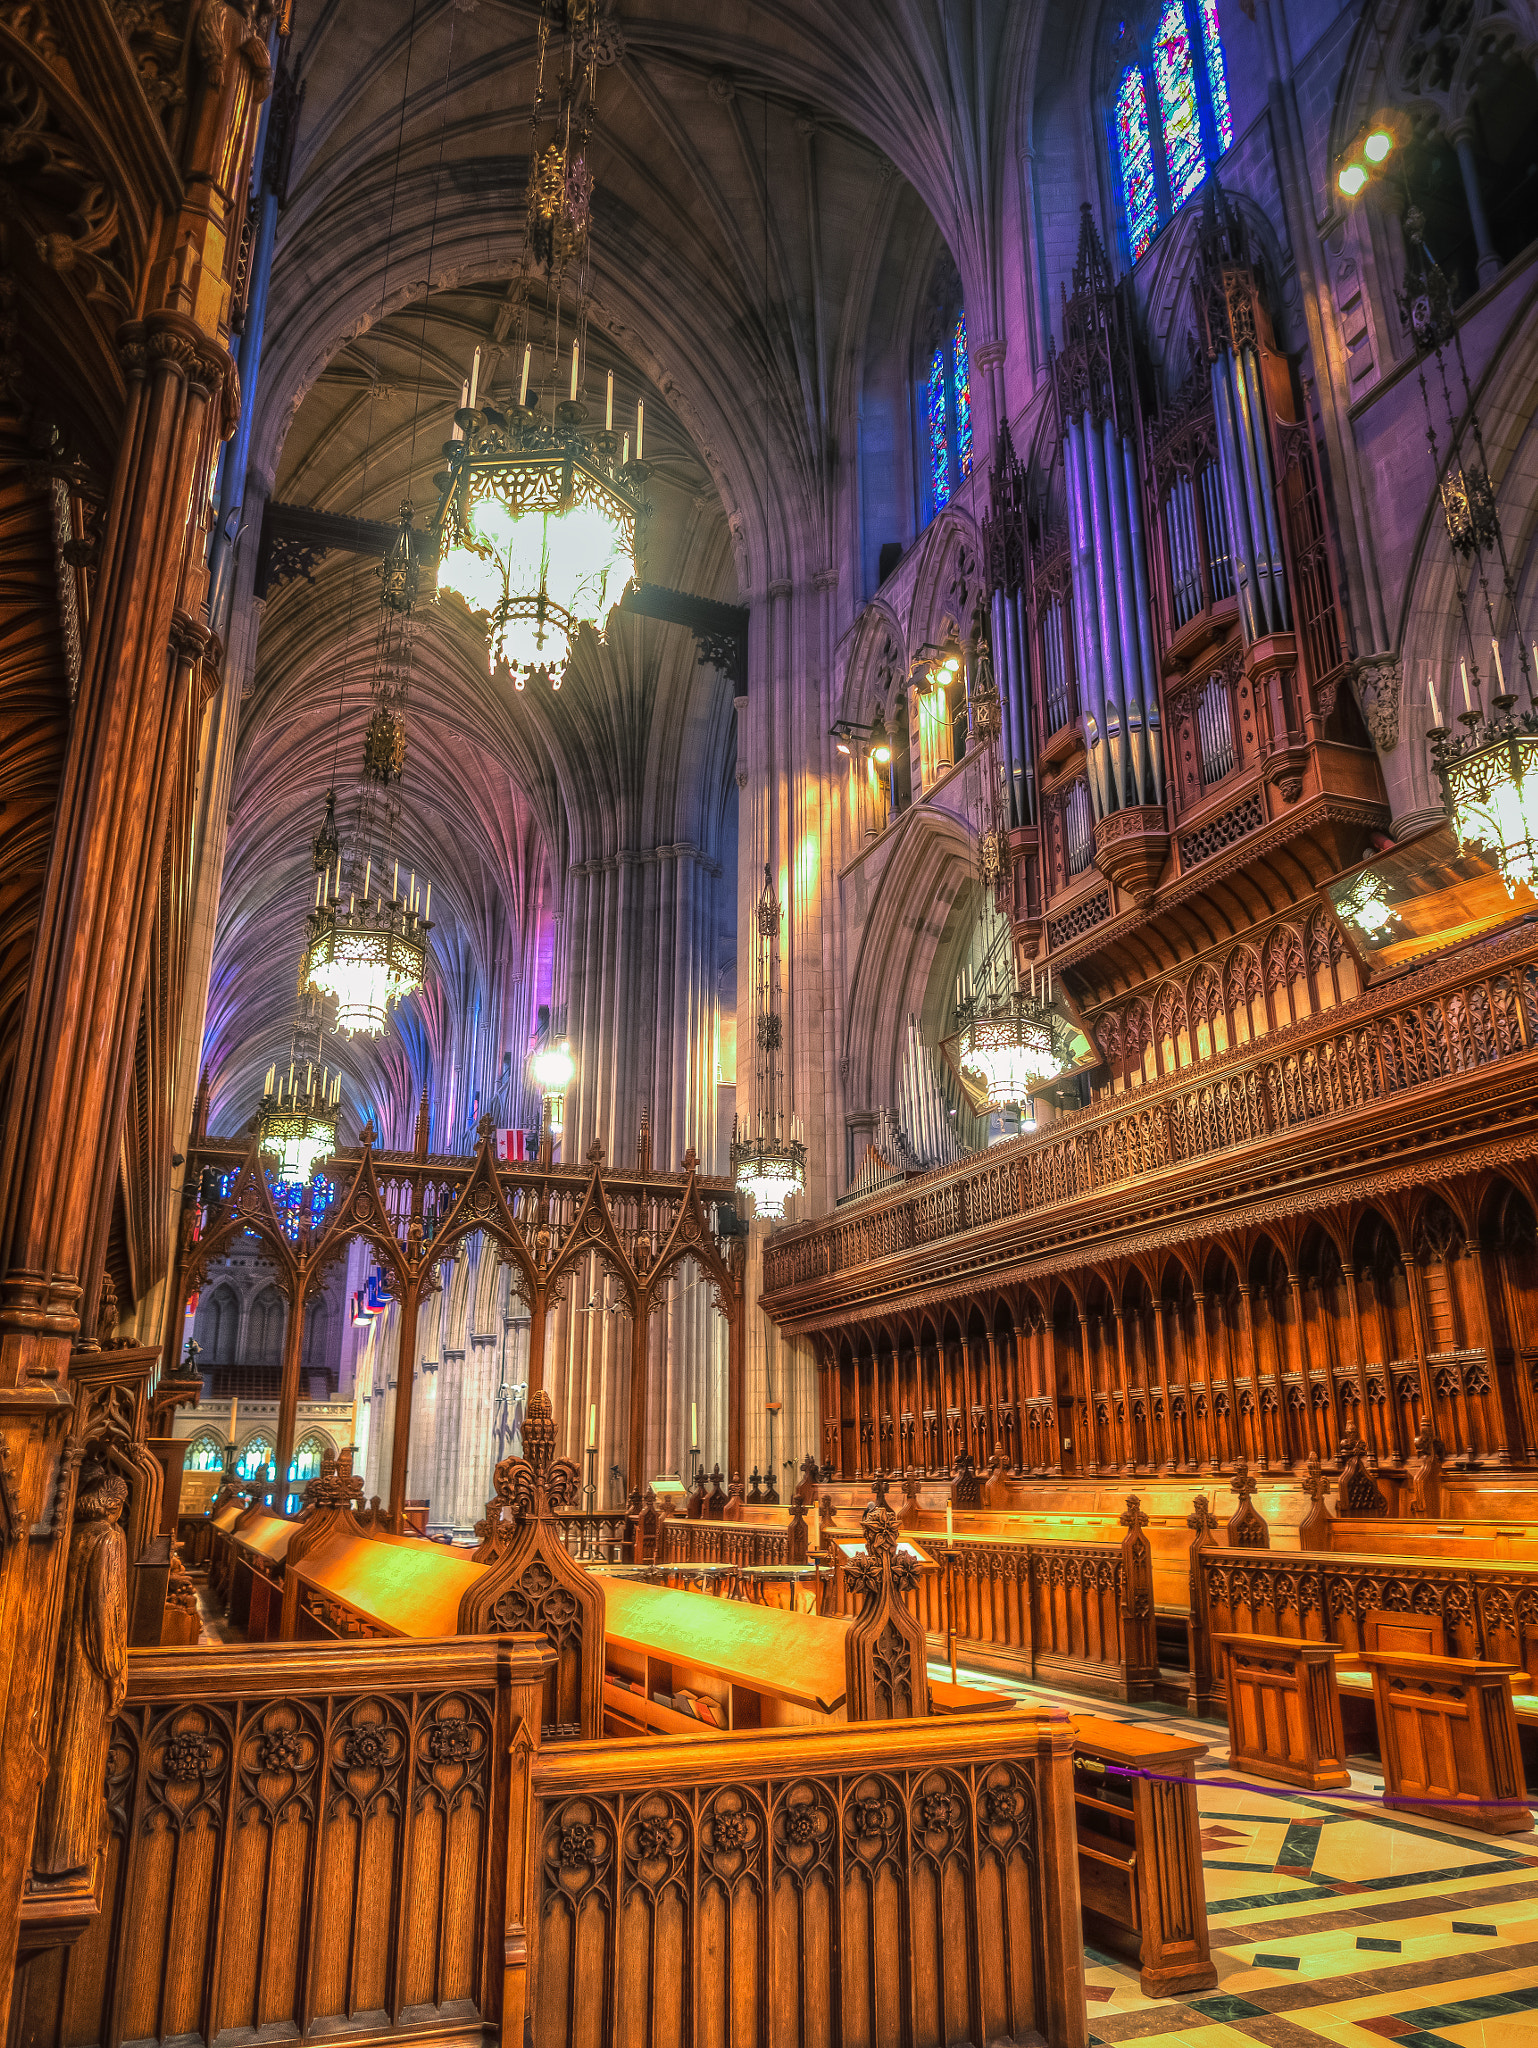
533	1585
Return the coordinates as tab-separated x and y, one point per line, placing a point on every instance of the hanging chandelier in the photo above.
369	955
1007	1042
538	513
1489	777
297	1119
537	528
769	1163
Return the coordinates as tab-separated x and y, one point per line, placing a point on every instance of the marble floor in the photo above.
1332	1920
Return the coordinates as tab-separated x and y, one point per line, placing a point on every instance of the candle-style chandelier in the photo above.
369	954
769	1154
1008	1039
538	513
297	1116
1489	776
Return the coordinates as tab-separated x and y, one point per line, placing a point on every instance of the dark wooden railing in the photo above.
1351	1059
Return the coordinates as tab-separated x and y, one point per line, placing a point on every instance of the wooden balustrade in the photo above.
914	1882
1080	1614
734	1543
304	1841
1481	1611
592	1537
1352	1058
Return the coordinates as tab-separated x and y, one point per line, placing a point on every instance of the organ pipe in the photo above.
1244	455
1085	611
1143	611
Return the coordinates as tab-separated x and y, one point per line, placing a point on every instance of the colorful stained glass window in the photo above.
1175	82
962	384
1217	76
939	438
1137	167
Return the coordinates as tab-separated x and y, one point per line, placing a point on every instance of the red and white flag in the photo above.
510	1147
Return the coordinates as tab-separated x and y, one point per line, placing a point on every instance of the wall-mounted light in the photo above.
1371	149
880	745
845	737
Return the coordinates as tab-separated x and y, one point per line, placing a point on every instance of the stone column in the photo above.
1461	136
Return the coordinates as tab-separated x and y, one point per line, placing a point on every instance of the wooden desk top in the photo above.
1275	1645
269	1536
229	1514
945	1698
1411	1664
1123	1742
786	1656
413	1588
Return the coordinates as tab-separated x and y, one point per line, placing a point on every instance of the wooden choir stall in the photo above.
452	1790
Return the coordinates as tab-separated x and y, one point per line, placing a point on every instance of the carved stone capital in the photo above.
1379	682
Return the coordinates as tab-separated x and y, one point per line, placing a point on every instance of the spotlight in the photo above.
1351	180
1377	145
880	745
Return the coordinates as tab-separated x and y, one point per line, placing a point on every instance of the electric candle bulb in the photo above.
523	382
368	869
625	458
574	370
475	377
592	1426
640	426
464	393
1431	689
1500	674
1464	670
608	410
427	906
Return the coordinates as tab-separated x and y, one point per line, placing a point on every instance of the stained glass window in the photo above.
1137	169
939	439
963	387
1175	81
1217	77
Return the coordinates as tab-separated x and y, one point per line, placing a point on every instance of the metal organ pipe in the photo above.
1143	611
1253	401
1110	630
1014	629
1006	712
1241	532
1126	614
1086	633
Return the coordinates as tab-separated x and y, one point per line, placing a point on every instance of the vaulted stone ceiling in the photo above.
865	125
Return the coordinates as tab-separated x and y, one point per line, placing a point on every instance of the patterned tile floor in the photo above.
1331	1920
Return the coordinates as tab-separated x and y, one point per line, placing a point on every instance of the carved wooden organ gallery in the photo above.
1294	1204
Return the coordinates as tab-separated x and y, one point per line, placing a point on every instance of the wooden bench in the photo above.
1140	1854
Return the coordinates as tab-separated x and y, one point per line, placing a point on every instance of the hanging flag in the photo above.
510	1146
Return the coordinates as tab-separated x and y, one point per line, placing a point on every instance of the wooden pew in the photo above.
1140	1852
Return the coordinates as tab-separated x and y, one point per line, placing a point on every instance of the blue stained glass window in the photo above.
1175	81
1217	76
962	380
939	438
1137	168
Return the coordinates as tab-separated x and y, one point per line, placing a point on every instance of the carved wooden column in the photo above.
1164	1384
1501	1401
405	1375
1128	1454
1358	1359
288	1389
1247	1325
1091	1465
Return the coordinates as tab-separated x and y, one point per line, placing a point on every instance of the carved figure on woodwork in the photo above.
884	1653
694	1507
1314	1530
966	1491
806	1489
771	1491
1358	1495
735	1503
715	1504
533	1585
1247	1528
90	1677
1426	1473
995	1488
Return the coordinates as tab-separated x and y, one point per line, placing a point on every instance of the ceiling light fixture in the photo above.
538	516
